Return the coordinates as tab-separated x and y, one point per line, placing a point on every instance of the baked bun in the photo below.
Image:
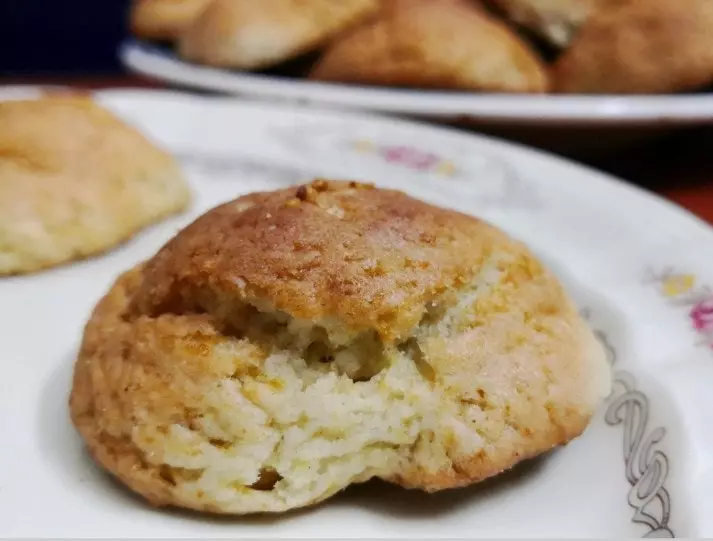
555	21
288	344
640	47
447	44
164	19
250	34
75	181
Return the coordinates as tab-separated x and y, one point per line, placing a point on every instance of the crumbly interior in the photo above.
302	418
303	410
295	433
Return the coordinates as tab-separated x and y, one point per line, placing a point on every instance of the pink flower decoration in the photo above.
410	157
702	315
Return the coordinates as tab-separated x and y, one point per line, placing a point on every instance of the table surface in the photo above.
678	166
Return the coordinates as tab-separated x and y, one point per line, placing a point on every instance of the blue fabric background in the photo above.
48	37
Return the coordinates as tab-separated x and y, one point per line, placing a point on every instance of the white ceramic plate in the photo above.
163	64
639	267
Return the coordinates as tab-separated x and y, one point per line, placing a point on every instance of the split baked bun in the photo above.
441	44
256	34
288	344
75	180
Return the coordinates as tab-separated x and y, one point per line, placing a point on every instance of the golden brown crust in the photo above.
245	34
164	20
447	44
324	252
478	347
75	181
634	47
159	351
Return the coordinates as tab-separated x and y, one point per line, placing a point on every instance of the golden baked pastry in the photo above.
447	44
640	47
249	34
164	19
75	181
556	21
290	343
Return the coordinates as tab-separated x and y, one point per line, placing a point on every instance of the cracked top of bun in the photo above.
343	255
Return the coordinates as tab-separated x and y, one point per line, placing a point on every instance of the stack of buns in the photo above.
524	46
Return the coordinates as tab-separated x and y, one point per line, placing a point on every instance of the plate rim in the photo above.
148	59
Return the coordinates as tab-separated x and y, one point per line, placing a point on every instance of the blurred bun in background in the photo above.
164	20
640	47
555	21
253	35
435	44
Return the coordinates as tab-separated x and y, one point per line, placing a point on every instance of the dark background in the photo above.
57	37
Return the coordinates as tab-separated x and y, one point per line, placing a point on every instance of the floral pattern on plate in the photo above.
431	170
685	291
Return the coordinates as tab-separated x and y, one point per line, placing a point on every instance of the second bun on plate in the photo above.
75	181
288	344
